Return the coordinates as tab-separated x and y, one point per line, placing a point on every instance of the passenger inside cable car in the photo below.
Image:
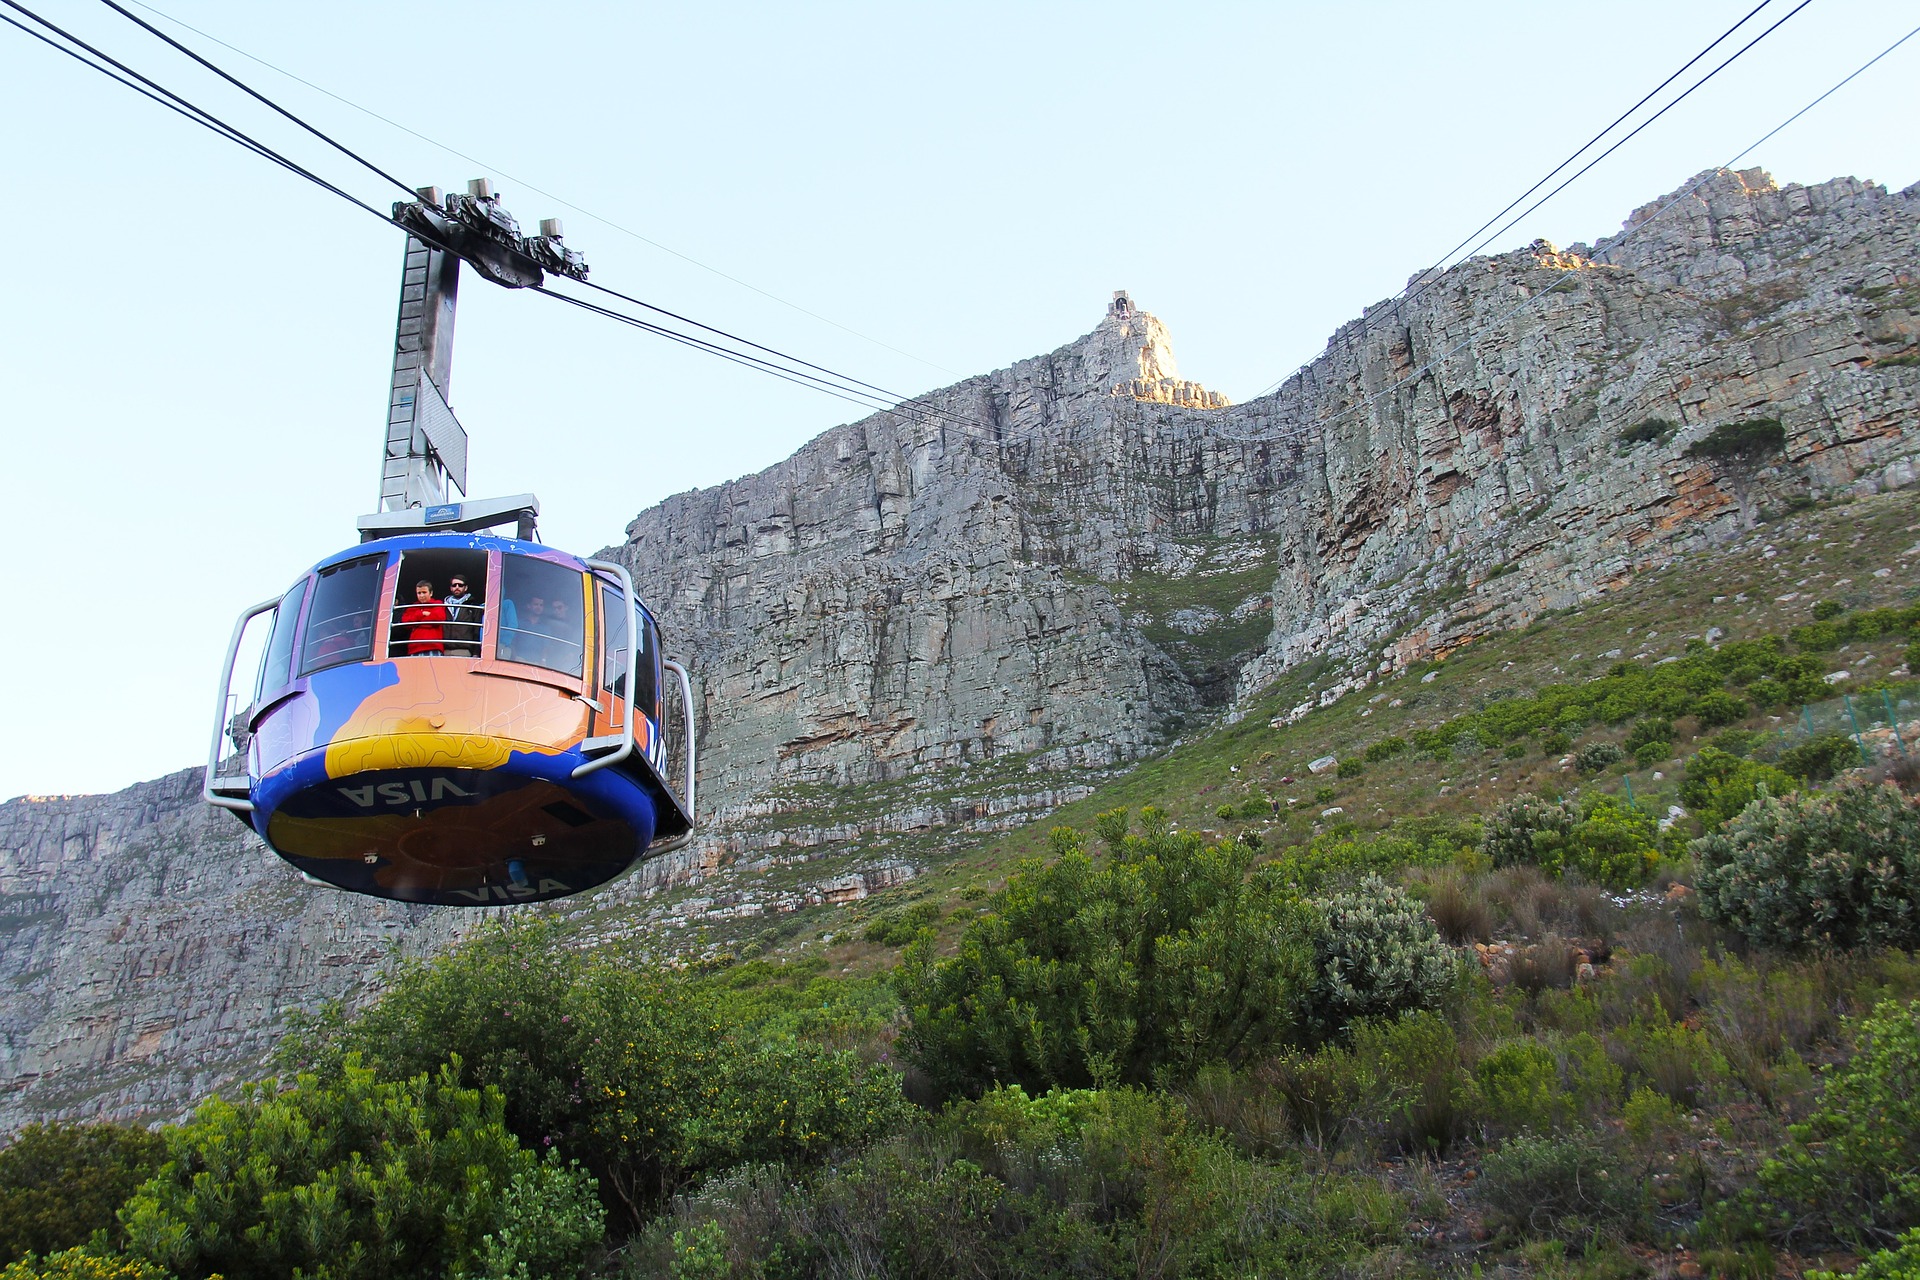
416	615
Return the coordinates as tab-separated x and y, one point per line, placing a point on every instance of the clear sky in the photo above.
194	345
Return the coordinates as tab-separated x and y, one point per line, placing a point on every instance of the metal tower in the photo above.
424	461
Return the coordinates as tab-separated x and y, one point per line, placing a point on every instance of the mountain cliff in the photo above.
954	617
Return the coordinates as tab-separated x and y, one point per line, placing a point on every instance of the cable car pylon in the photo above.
443	714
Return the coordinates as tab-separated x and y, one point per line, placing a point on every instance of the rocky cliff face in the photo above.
1085	549
152	947
956	619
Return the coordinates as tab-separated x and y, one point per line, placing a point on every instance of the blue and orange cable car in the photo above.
511	749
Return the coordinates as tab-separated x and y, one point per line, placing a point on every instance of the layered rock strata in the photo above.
906	594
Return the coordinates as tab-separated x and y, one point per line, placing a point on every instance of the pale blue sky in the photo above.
195	346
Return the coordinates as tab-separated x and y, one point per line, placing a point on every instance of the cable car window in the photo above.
646	683
614	658
540	622
340	623
277	667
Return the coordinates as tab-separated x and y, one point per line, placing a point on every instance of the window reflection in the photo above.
540	615
340	624
277	667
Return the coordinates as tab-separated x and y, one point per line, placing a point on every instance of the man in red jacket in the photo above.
425	621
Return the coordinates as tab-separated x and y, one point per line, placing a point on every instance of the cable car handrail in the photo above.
402	608
220	721
633	631
686	704
528	631
470	632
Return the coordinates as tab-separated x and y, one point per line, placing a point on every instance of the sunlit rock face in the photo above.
955	622
906	595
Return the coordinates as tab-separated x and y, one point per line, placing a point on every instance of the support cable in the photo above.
1626	235
746	361
257	96
152	89
734	337
167	98
1432	275
561	200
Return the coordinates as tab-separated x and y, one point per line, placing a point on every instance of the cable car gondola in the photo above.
507	748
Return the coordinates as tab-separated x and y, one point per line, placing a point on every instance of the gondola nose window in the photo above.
346	600
542	621
277	669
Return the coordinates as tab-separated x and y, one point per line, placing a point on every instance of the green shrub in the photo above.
1520	1086
1856	1162
1603	839
1164	959
1819	758
1816	637
1718	785
1509	834
1514	750
1385	749
1591	1080
1902	1262
1719	708
1673	1058
60	1183
1596	756
1551	1185
79	1264
1071	1183
1414	1092
1740	440
1256	807
1911	656
648	1078
1651	1120
1375	952
1324	794
1654	731
1651	431
1835	868
898	928
361	1178
1827	610
1554	742
1351	767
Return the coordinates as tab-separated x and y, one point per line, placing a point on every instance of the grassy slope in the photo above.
1826	553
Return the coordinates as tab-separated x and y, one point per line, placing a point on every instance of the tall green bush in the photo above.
1602	838
1164	958
636	1072
60	1183
1820	757
1853	1170
1375	952
360	1179
1835	868
1719	785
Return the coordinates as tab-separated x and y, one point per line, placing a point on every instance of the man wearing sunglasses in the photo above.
463	620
